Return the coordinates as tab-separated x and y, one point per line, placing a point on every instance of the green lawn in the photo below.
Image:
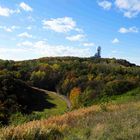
130	96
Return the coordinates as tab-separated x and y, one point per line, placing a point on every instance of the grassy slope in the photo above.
119	119
113	121
60	107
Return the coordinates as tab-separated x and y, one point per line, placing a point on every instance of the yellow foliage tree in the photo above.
75	97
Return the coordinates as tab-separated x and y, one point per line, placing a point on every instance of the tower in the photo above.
98	54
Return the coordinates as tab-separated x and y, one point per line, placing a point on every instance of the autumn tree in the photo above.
75	97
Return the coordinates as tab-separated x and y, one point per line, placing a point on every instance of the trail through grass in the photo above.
59	107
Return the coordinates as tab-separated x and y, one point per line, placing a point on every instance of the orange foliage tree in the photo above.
75	97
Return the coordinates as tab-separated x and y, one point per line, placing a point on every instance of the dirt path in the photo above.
61	96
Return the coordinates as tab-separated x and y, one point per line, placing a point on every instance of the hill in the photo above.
96	77
84	81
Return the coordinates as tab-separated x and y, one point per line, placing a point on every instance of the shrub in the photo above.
87	96
118	87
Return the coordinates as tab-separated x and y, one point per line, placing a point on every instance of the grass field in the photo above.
59	107
117	120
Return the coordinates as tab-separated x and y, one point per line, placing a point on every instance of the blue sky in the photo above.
38	28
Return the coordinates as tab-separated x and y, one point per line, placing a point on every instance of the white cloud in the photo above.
25	35
9	29
14	27
7	12
79	30
124	30
115	41
77	37
25	43
130	8
46	49
25	7
12	53
105	4
60	25
42	49
88	44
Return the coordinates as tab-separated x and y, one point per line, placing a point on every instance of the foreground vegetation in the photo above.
113	121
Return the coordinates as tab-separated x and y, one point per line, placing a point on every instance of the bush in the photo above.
118	87
88	96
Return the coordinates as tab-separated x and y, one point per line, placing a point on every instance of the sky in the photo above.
41	28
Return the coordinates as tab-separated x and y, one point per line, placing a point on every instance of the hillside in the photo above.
84	81
17	98
111	121
109	86
62	74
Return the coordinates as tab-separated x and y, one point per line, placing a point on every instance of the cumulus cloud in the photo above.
60	25
105	4
115	41
42	49
7	12
25	7
88	44
77	37
9	29
25	35
46	49
124	30
130	8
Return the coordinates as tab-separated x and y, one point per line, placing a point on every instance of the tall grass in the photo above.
116	122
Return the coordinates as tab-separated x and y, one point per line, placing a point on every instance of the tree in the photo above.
75	97
37	77
87	96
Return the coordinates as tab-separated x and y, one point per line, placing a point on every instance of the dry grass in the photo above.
120	121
